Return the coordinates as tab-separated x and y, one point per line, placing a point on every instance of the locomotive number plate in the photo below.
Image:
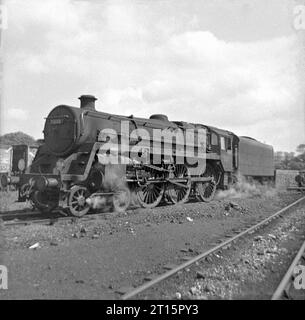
56	121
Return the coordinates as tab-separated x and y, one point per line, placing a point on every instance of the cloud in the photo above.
16	114
138	59
125	100
122	21
225	82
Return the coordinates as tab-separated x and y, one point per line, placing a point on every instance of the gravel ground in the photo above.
220	212
8	202
251	268
94	258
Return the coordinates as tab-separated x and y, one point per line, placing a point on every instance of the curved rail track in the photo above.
192	260
284	286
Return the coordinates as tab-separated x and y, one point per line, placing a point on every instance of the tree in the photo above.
301	148
17	138
288	161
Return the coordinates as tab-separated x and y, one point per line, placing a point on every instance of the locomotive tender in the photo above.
74	164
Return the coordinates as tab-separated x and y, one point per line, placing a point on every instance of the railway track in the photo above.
50	219
46	221
128	293
284	286
20	217
18	213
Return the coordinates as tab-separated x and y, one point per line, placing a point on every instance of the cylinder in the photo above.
41	183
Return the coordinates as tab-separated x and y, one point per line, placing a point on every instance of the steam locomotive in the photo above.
13	161
89	155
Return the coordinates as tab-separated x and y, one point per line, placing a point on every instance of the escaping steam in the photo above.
113	183
246	189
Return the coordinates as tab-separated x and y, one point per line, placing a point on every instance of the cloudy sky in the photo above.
233	64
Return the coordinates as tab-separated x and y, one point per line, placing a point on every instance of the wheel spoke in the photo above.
205	191
155	193
76	201
152	197
178	194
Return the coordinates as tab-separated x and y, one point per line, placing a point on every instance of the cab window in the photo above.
228	144
222	143
214	139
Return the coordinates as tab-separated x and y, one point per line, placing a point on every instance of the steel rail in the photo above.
2	213
288	276
17	214
39	221
182	266
48	219
51	220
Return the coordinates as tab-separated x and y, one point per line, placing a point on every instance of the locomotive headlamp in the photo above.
6	180
21	164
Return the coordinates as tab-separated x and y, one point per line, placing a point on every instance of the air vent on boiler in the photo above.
160	117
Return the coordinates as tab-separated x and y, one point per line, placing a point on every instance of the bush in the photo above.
17	138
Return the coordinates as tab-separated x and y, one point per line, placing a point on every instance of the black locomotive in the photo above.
89	155
13	161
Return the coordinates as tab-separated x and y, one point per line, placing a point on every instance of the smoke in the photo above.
113	182
99	203
247	189
134	202
114	177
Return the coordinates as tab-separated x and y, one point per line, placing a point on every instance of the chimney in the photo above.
87	102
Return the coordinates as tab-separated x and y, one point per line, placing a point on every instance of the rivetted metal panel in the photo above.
255	158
